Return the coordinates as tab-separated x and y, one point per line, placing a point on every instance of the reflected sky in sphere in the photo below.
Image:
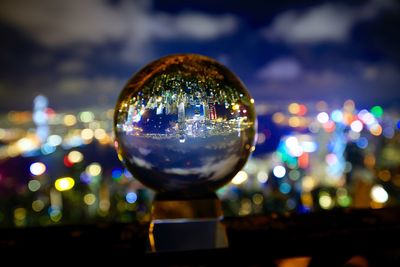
184	124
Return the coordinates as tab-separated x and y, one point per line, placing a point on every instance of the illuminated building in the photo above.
212	112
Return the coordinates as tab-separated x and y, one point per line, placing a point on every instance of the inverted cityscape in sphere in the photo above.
184	124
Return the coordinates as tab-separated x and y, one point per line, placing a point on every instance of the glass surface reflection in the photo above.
184	123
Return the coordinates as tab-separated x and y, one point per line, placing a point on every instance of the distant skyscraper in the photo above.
130	115
160	109
181	122
206	110
212	112
181	112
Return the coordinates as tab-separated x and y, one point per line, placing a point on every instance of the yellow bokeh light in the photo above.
2	133
64	183
294	108
87	134
376	130
26	144
75	156
86	116
69	120
94	169
245	207
240	178
278	117
308	183
89	199
12	151
94	125
294	121
100	134
37	205
258	199
325	201
379	194
262	176
106	140
348	118
20	214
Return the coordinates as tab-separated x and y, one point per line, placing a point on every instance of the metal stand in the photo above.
186	224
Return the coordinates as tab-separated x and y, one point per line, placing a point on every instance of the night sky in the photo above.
81	53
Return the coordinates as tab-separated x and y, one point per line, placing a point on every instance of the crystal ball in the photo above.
184	124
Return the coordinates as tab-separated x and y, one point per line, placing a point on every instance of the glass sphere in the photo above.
184	124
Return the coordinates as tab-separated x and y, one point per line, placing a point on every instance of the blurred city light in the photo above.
89	199
323	117
94	169
379	194
64	184
75	156
37	168
279	171
240	178
319	149
34	185
131	197
262	176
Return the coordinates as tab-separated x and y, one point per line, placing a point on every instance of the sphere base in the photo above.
186	224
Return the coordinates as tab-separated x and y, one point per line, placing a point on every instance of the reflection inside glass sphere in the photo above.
184	123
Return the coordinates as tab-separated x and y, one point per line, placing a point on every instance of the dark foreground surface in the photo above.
328	238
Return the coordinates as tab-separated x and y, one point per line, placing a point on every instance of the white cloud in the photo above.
327	22
286	78
323	79
192	25
297	76
72	66
384	72
76	85
150	27
280	69
59	23
323	23
361	81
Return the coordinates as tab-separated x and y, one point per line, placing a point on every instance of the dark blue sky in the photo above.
80	53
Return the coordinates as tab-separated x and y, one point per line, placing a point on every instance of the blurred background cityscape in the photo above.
325	77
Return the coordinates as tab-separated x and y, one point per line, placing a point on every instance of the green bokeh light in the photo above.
377	111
